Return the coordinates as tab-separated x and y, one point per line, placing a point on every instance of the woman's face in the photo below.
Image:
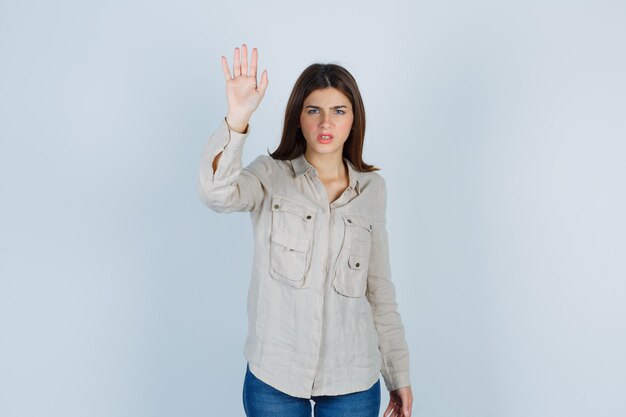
326	120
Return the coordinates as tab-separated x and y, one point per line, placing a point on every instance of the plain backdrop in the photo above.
500	127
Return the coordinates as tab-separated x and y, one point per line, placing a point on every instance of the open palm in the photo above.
242	90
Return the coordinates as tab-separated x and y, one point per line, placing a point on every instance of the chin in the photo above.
323	150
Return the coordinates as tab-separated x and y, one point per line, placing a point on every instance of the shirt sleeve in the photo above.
381	295
231	187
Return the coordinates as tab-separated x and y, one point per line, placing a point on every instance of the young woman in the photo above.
322	317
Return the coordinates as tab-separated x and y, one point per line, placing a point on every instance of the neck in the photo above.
330	167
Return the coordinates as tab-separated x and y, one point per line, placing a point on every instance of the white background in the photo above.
499	126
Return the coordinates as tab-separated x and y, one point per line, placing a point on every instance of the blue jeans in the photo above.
263	400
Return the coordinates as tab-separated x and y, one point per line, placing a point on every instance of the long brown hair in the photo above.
314	77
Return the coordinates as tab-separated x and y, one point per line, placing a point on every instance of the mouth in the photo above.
325	138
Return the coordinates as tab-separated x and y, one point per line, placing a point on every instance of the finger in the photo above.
388	410
237	64
225	68
397	410
253	64
391	409
263	84
244	60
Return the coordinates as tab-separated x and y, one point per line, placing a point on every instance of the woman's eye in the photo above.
315	111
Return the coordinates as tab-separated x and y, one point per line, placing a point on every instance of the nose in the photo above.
325	120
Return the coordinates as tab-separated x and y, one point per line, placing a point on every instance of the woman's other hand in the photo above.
400	403
242	91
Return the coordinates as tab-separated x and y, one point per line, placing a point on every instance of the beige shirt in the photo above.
322	314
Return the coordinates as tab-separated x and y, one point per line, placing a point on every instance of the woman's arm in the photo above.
381	295
227	186
224	186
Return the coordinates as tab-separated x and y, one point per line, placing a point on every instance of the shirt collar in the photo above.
301	166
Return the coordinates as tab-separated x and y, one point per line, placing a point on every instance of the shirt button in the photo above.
349	221
308	217
357	264
276	206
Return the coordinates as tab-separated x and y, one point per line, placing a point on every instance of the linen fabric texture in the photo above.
322	310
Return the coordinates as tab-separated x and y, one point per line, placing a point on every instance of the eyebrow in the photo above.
335	107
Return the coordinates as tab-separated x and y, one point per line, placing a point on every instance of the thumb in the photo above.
263	84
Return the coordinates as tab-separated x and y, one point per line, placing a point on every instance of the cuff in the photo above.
397	380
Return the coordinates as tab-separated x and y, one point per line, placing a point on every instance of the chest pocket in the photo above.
291	240
351	272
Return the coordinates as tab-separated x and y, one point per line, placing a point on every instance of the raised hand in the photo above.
242	91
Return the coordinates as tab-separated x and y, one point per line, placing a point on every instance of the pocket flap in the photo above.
357	220
290	241
357	262
280	203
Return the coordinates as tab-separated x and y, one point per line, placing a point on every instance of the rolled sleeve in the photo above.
231	187
381	295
